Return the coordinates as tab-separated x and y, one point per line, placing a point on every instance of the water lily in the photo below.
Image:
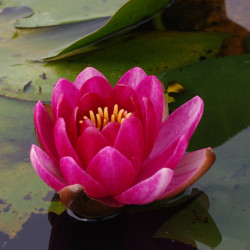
119	144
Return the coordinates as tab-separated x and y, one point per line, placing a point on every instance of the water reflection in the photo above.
161	225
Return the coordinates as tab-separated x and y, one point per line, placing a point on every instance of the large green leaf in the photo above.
21	190
224	85
48	13
153	51
132	13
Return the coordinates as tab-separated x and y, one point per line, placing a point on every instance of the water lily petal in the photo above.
86	74
47	170
89	144
168	159
127	97
63	109
130	141
63	144
90	101
112	169
68	89
149	122
44	128
110	132
151	88
74	174
98	85
182	121
190	169
147	190
132	77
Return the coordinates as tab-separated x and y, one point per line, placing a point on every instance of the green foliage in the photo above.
223	84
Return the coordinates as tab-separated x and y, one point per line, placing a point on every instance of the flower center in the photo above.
102	117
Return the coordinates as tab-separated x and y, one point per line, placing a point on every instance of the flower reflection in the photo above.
160	225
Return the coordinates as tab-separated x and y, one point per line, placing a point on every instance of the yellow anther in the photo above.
99	121
115	110
85	117
92	116
100	112
125	113
128	115
112	118
104	122
119	117
81	122
122	120
106	114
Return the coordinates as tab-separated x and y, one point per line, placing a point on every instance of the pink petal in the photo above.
182	121
98	85
90	101
149	123
47	170
168	159
113	170
127	97
89	144
73	129
189	170
110	132
68	89
132	77
44	128
151	88
130	141
63	109
75	175
86	123
63	144
86	74
148	190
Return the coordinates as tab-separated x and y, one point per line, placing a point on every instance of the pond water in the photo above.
213	213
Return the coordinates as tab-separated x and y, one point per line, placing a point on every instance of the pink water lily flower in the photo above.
118	143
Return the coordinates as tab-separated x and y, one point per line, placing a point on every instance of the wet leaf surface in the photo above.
223	84
21	190
49	13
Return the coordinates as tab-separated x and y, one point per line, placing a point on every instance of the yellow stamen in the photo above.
122	120
85	117
112	118
100	112
104	122
106	114
125	113
119	117
115	111
81	122
92	116
99	121
128	115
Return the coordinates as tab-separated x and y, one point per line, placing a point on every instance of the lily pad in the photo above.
21	190
153	51
127	16
49	13
223	84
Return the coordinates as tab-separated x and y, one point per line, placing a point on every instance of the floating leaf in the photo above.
49	13
223	84
190	224
127	16
21	190
153	51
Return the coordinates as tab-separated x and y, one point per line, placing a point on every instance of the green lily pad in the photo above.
193	223
153	51
223	84
49	13
21	190
127	16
